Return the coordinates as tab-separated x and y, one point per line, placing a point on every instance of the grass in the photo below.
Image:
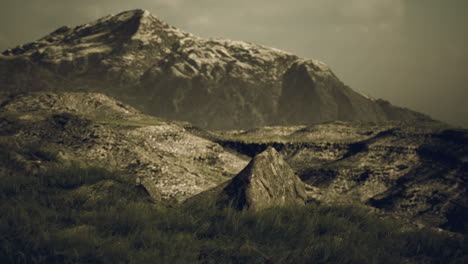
90	215
131	123
41	115
267	139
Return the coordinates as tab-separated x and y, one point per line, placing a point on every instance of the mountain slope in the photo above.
164	71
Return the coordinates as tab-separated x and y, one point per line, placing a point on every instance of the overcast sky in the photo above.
411	52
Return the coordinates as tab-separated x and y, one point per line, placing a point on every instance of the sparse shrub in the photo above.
37	152
75	176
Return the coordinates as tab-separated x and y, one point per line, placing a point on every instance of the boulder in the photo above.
267	181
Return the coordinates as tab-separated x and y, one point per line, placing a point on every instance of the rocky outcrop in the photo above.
139	59
266	182
414	171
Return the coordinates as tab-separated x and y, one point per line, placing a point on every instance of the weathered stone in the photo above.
266	182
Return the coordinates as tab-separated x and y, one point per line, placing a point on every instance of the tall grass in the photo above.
90	215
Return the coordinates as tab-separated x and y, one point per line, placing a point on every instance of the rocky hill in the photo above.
213	83
95	130
415	171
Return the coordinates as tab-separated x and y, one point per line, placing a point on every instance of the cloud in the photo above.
3	42
360	16
199	21
373	15
212	17
372	9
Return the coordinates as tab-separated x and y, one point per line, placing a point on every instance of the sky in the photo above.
413	53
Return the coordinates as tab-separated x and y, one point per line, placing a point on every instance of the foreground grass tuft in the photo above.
90	215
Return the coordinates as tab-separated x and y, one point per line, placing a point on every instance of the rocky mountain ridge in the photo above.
164	71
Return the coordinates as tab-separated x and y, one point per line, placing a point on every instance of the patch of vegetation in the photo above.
131	123
38	152
90	215
269	139
253	148
74	176
262	139
12	156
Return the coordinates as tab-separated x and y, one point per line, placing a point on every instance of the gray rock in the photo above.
266	182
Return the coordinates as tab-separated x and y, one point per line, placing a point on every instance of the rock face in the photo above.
267	181
137	58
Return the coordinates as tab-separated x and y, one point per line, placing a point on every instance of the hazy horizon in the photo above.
410	52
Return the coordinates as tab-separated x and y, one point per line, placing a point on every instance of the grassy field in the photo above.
90	215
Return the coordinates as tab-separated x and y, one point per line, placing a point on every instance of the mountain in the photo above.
212	83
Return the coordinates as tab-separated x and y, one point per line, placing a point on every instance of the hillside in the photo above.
161	70
87	178
95	130
414	171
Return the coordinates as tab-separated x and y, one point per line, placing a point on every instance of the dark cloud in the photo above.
411	52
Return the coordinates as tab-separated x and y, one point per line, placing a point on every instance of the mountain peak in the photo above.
135	12
100	36
167	72
146	27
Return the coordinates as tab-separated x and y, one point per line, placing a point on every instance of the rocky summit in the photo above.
266	182
161	70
